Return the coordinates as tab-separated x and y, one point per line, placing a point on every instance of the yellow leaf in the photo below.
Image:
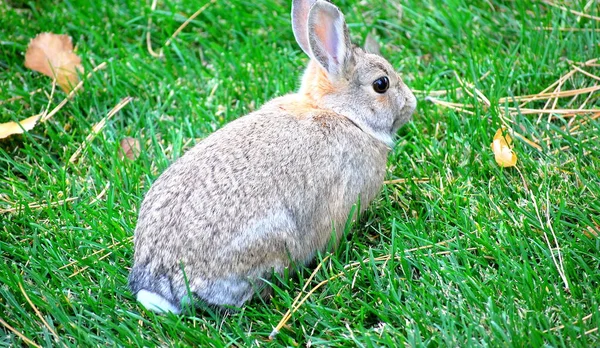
502	148
12	127
53	56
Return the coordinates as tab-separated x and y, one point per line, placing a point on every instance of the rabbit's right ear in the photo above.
300	10
371	45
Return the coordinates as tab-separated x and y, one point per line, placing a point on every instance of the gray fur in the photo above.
265	191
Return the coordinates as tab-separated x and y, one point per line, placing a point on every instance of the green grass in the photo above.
491	282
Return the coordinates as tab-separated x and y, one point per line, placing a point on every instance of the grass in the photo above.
477	255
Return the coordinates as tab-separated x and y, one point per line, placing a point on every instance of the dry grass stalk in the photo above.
585	154
525	139
563	112
71	94
551	94
49	99
567	29
554	103
558	262
560	327
36	205
585	102
299	304
175	33
580	14
467	86
586	73
441	93
454	106
129	239
296	304
582	123
566	147
98	128
101	194
39	315
588	332
149	33
557	85
403	181
485	100
290	311
543	96
21	336
86	267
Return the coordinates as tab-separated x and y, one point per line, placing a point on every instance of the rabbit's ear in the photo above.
328	38
300	10
371	45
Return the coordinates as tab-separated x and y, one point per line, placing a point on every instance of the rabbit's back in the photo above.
264	190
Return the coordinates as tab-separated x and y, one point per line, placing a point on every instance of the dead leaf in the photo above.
130	148
12	127
502	147
592	232
53	56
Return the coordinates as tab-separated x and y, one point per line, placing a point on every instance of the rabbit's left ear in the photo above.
300	10
328	38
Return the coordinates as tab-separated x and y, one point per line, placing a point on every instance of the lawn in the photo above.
455	251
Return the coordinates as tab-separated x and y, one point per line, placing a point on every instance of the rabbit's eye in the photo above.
381	85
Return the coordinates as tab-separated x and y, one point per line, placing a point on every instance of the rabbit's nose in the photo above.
411	100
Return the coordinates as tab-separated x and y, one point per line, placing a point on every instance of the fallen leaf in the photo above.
53	56
502	147
592	232
130	148
12	127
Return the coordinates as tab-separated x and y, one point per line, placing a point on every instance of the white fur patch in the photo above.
385	138
381	136
156	303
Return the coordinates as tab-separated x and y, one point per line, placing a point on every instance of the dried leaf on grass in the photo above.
552	110
502	147
53	56
12	127
27	124
130	148
592	232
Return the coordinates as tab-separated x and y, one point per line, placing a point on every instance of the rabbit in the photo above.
272	188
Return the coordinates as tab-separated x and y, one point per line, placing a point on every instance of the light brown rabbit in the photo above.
271	189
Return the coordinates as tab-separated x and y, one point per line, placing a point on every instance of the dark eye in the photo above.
381	85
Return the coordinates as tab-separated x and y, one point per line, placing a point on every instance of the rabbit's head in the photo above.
360	85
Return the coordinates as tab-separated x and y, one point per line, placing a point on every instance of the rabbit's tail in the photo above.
153	292
155	302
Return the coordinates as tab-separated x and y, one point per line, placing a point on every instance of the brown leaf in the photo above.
12	127
502	147
130	148
592	232
53	56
